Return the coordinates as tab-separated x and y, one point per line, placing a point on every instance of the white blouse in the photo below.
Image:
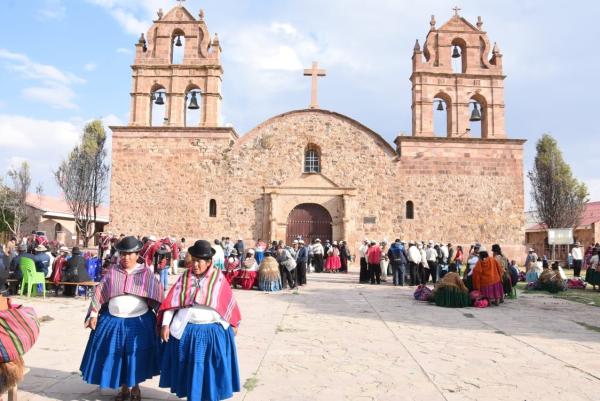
127	306
197	314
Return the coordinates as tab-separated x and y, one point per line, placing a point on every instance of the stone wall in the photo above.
463	189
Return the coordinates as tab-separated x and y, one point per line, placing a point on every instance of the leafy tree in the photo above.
559	197
13	211
83	177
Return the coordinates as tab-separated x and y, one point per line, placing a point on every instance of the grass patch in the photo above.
587	296
251	383
589	326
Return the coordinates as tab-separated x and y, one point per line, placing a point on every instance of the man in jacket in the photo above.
75	272
398	262
318	252
374	260
414	259
301	263
432	256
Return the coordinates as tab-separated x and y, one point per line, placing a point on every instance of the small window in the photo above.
57	230
312	163
212	208
410	210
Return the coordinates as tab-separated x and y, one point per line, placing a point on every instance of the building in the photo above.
53	216
315	172
587	233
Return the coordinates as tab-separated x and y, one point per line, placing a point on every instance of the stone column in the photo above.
272	218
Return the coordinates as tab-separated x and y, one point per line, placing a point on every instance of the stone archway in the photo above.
310	221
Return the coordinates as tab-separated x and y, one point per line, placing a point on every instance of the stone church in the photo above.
315	172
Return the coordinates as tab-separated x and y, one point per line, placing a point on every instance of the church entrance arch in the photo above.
309	221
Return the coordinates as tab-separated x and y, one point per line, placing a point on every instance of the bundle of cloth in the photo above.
269	278
551	280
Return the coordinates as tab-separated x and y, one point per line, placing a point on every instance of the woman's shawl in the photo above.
141	282
19	329
212	290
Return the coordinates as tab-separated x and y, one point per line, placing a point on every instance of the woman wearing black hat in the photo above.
199	319
123	348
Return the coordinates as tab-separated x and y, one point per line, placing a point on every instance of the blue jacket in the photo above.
396	254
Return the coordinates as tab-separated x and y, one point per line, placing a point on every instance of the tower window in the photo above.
312	162
410	210
212	208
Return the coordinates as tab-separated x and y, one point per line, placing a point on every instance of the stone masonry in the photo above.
463	189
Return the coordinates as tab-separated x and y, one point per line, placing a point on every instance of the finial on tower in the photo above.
180	2
160	13
215	41
142	42
456	10
417	47
432	22
201	15
496	49
479	23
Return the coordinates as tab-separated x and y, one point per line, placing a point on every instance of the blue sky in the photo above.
63	63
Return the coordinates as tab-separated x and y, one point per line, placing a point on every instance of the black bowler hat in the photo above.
129	244
76	251
201	249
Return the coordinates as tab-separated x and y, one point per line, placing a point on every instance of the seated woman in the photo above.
534	271
269	278
450	291
199	320
249	272
19	329
487	277
551	280
232	266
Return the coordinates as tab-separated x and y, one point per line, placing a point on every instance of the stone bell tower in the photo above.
198	75
479	83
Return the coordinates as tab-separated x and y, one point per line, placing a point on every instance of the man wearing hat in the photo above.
14	271
577	254
301	263
42	260
364	266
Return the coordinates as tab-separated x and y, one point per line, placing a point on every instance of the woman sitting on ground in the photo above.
451	291
487	277
269	278
534	271
551	280
249	272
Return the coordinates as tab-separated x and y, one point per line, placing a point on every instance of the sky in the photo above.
66	62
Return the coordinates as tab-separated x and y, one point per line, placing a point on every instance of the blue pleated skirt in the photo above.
202	365
269	285
122	351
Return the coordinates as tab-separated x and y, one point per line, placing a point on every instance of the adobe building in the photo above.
315	172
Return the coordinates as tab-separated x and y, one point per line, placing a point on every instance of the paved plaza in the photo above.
336	339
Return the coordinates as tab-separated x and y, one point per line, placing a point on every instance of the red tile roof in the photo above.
52	204
591	215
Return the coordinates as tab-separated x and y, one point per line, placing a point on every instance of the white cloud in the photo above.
593	186
124	50
25	133
54	85
89	67
134	16
51	10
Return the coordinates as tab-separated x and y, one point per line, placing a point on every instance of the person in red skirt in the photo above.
333	262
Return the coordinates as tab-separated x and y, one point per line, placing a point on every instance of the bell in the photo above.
193	102
440	106
475	115
455	53
178	42
159	100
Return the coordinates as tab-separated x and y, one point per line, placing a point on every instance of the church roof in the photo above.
58	207
458	23
384	145
591	215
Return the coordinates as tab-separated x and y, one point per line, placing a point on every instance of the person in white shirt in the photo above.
414	259
577	254
364	268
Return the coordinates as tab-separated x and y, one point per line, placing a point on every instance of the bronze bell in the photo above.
159	100
455	53
475	114
440	106
193	102
178	42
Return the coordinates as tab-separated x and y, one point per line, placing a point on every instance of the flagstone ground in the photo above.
336	339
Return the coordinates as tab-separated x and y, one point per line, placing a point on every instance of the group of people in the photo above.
193	350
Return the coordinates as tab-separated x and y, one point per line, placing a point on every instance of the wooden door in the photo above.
309	221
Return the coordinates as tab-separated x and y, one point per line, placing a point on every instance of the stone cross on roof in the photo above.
180	2
456	10
315	73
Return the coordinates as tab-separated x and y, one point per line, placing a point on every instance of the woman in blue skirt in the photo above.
123	347
199	320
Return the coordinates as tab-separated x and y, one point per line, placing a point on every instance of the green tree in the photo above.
559	197
13	210
83	177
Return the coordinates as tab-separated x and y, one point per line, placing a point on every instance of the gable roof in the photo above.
457	24
590	215
58	207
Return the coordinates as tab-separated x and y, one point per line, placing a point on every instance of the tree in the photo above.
13	209
83	177
560	198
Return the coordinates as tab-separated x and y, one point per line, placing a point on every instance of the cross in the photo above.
456	10
180	2
315	73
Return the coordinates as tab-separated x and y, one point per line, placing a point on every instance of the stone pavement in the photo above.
336	339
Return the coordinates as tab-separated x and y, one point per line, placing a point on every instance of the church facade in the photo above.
314	172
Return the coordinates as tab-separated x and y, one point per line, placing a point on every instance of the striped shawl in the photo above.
141	282
212	290
19	329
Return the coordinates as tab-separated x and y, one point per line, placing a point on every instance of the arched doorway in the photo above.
309	221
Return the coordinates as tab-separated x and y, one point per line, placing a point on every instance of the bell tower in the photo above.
472	91
192	83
